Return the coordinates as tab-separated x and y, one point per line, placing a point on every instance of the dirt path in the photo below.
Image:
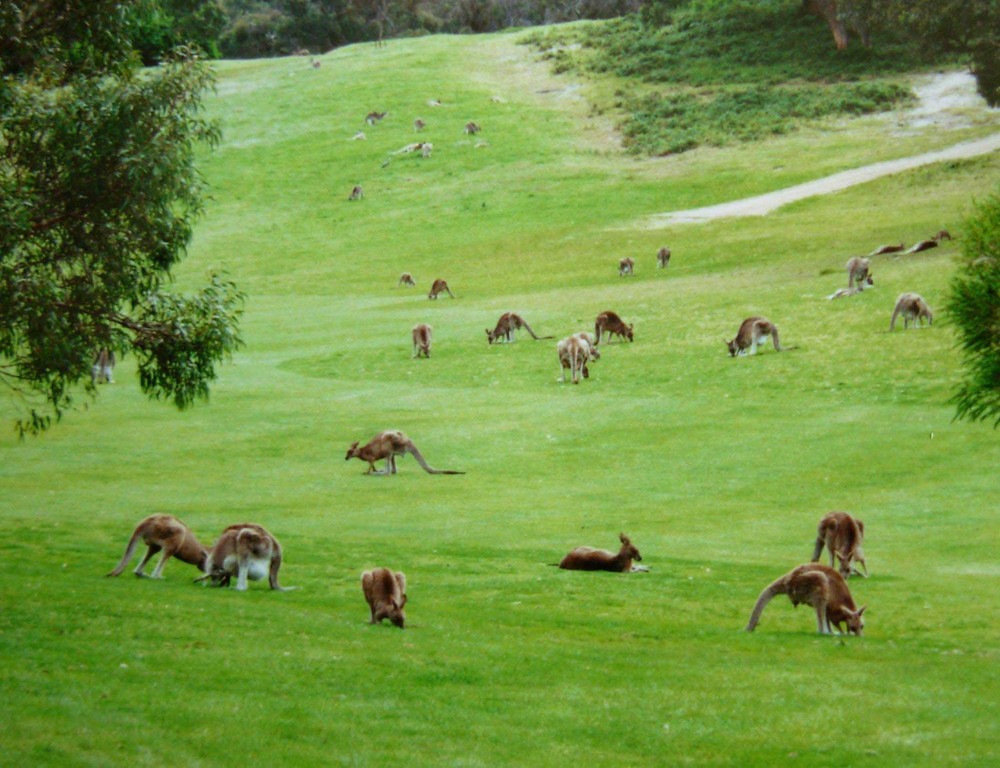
761	205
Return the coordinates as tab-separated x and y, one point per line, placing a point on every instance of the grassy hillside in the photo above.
718	469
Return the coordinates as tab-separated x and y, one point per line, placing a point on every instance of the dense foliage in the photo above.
730	72
98	193
975	307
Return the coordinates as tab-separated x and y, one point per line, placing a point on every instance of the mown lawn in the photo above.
718	469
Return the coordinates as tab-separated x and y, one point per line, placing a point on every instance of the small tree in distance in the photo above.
974	304
98	194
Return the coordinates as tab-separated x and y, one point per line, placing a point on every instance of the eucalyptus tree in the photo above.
99	191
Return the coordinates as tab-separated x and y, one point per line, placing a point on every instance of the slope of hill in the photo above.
718	469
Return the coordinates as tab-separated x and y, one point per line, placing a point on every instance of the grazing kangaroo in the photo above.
103	367
609	323
508	323
419	125
626	266
439	286
422	340
374	117
913	308
663	258
859	273
590	559
943	234
472	129
753	332
574	353
821	587
406	279
248	551
385	592
357	193
887	249
388	445
166	533
843	536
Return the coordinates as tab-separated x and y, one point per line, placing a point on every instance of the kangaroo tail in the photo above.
775	588
427	467
129	551
895	314
818	549
528	329
774	335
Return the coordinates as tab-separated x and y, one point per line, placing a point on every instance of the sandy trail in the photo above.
761	205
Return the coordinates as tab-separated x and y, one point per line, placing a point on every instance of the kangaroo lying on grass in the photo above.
590	559
385	592
162	533
388	445
821	587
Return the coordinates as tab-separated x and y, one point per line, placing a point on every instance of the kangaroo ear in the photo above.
623	538
354	445
403	603
860	611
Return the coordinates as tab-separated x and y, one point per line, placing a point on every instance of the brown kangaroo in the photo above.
663	258
611	324
913	308
388	445
166	533
887	249
590	559
439	286
248	551
626	266
103	367
508	323
406	279
859	273
385	592
753	332
821	587
422	340
843	536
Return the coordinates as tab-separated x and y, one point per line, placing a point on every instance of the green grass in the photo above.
718	469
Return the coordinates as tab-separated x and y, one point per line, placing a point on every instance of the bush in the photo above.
974	306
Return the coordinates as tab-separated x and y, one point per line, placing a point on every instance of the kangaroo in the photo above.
821	587
626	266
753	332
422	340
166	533
843	537
439	286
574	353
887	249
472	129
943	234
508	323
247	550
913	308
859	273
385	592
609	323
419	125
923	245
406	279
357	193
590	559
663	258
374	117
103	367
388	445
840	293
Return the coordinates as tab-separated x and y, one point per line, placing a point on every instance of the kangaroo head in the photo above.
396	615
352	451
489	336
855	623
628	549
628	332
731	346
